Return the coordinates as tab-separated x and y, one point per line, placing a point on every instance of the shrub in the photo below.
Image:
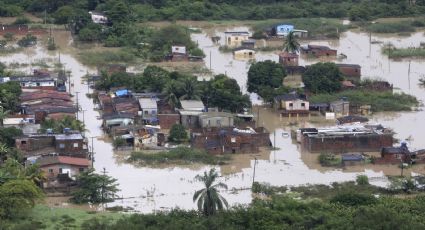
328	160
391	27
22	21
353	199
28	40
177	133
118	142
362	180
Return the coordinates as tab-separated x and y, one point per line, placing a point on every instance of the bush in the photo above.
354	199
391	27
9	36
22	21
362	180
28	40
180	155
329	160
119	142
178	133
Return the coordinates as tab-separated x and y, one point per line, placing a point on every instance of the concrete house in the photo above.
70	143
54	166
235	38
189	114
243	53
292	103
148	110
216	119
117	119
318	51
350	71
250	44
288	59
45	83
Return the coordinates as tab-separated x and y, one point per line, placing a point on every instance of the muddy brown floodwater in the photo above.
149	189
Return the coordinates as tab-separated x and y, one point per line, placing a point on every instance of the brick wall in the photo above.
27	144
166	121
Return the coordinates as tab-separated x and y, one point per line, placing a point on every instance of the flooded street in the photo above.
149	189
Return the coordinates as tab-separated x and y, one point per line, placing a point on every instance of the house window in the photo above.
146	112
303	104
76	145
233	139
38	83
218	122
397	156
23	142
61	146
236	38
60	170
81	169
291	104
209	122
50	170
153	112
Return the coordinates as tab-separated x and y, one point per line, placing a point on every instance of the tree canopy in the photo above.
322	78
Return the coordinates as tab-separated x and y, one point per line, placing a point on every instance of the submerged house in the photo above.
290	62
318	51
292	104
351	71
355	138
235	38
190	111
149	110
243	53
216	119
340	107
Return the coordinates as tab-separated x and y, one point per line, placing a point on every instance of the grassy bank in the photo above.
95	58
393	27
404	52
180	155
380	101
43	217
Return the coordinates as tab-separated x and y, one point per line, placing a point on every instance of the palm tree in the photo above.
209	200
4	151
170	92
3	115
190	89
291	44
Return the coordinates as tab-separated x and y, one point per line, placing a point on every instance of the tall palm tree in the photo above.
4	151
208	199
3	115
170	91
291	44
190	89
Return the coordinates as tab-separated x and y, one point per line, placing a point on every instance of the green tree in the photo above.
170	91
265	74
3	114
190	89
28	40
208	199
322	78
58	126
94	188
9	95
362	180
17	197
156	78
291	44
224	93
8	135
63	15
177	133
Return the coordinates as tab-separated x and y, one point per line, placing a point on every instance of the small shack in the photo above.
318	51
243	53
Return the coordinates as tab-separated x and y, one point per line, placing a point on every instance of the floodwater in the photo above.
148	189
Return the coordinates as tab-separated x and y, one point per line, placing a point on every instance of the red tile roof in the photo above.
52	160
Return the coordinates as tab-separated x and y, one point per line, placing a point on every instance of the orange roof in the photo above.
52	160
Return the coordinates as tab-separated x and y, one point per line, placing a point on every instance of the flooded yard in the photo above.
149	189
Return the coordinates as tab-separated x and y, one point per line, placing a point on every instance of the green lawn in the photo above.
43	217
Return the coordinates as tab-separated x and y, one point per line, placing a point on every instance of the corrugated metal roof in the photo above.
192	105
71	136
148	103
51	160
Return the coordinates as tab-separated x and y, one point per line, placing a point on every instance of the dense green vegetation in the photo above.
94	188
58	126
179	155
322	78
178	133
329	160
9	94
266	79
393	27
404	52
380	101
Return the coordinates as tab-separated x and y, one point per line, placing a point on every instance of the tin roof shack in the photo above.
351	72
216	119
317	51
189	113
149	110
352	159
36	144
340	107
32	82
235	38
117	119
242	53
47	104
231	140
105	103
291	104
60	170
178	54
70	143
356	138
351	119
127	105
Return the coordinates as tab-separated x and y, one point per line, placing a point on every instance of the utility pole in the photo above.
253	175
69	81
408	74
78	106
83	116
92	152
210	60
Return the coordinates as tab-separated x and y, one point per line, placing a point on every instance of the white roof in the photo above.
148	103
190	113
192	105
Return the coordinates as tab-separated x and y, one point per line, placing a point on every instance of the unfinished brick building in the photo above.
230	140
